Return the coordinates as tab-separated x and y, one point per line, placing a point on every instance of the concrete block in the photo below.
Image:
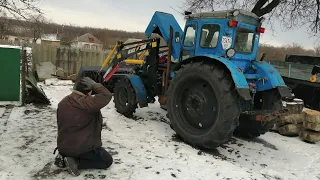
310	136
312	116
290	129
312	126
46	69
292	119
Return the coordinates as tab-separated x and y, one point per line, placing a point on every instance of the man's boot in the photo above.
59	161
72	166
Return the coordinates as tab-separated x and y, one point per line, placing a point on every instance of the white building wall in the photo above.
87	45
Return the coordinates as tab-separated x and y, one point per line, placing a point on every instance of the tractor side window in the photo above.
244	41
190	36
209	35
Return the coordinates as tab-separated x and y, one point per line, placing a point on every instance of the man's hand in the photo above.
88	82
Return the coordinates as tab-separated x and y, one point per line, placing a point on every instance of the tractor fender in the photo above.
238	77
272	79
137	84
272	75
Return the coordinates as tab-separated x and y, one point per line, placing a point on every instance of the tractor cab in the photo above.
232	34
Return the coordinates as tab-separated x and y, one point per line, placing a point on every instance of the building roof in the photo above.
89	38
50	37
131	40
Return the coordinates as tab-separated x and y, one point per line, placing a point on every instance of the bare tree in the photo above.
4	24
19	8
317	50
290	13
37	23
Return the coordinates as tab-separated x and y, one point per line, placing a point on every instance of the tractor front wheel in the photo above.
203	105
125	97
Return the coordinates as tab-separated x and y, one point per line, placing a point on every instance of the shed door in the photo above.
9	74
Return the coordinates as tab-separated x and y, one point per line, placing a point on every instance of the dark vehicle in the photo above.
300	74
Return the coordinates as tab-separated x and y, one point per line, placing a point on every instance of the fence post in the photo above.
23	73
58	58
289	70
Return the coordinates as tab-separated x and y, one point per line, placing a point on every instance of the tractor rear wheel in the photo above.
266	100
203	105
125	97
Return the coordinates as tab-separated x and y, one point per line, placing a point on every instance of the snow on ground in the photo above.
2	111
145	147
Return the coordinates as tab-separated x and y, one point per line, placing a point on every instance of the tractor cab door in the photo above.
189	41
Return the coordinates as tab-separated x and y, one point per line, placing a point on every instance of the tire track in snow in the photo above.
4	118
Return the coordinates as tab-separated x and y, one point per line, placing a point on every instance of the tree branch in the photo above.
21	8
259	6
289	13
317	16
267	9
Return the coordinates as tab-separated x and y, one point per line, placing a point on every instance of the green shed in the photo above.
10	75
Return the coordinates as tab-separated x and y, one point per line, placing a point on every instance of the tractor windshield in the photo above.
209	35
244	41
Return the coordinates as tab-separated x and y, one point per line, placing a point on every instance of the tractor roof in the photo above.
244	16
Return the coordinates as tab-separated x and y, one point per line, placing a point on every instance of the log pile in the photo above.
311	125
300	122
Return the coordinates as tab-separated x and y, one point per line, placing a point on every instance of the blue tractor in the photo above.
207	77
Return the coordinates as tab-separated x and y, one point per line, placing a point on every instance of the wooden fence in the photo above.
69	59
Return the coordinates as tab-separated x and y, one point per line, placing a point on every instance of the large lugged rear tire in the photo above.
271	100
203	105
125	97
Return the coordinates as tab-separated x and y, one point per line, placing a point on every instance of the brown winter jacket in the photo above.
79	121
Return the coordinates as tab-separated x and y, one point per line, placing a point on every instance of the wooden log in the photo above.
292	119
312	116
310	136
290	129
311	126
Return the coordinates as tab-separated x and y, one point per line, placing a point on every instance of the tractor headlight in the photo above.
230	53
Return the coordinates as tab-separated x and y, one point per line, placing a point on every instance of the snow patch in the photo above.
10	46
296	99
50	37
306	109
145	147
57	82
56	90
2	111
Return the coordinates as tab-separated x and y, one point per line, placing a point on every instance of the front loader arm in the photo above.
121	55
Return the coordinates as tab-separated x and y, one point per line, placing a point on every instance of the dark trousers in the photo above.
95	159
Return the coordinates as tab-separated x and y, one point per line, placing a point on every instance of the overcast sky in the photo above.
134	15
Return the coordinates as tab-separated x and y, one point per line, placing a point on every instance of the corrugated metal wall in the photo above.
69	59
